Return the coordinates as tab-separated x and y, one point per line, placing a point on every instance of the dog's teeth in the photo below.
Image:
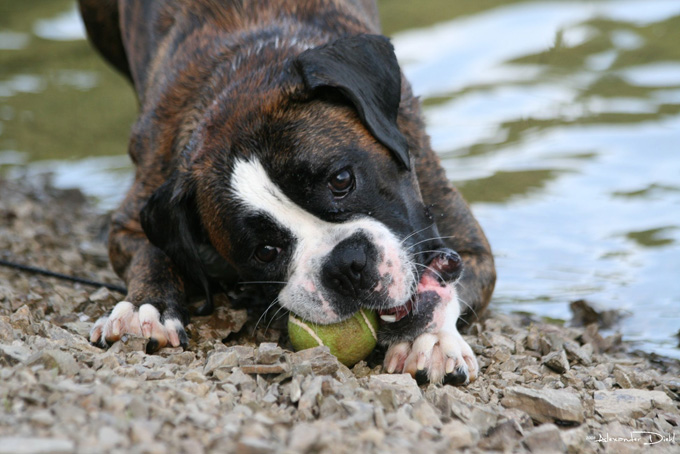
388	318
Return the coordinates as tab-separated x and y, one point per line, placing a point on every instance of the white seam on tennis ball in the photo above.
306	328
370	326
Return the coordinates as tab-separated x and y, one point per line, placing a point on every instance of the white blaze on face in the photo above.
313	240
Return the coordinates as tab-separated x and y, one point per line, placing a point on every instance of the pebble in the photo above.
626	404
23	445
557	361
459	435
403	385
545	405
55	359
261	369
268	353
318	359
545	439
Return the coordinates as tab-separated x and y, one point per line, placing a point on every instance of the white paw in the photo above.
125	318
435	357
442	357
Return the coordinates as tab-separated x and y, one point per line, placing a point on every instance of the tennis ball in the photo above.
350	340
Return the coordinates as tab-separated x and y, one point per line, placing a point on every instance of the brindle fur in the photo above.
181	57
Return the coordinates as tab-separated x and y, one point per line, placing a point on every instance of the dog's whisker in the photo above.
264	313
431	269
415	233
469	306
430	239
261	282
274	318
414	287
426	251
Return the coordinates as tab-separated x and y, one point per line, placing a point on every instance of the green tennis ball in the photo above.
350	340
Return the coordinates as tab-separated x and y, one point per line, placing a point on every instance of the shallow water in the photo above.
559	121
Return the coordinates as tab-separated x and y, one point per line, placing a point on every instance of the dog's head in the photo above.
307	190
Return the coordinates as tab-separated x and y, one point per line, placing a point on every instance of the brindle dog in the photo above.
278	147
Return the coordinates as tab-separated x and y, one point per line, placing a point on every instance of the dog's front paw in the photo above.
434	357
145	321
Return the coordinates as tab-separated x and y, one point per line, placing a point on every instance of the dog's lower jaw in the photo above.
438	355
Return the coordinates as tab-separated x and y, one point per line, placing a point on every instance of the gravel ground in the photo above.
543	387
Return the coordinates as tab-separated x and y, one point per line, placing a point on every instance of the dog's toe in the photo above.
145	321
123	319
459	376
177	336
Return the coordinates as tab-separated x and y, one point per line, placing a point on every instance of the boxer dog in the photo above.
278	146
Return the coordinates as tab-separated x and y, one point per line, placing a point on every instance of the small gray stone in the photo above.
545	439
34	445
622	378
575	439
264	369
143	430
180	357
42	418
110	438
105	360
268	353
557	361
221	360
405	387
426	414
575	353
252	445
103	296
311	393
459	435
22	318
194	376
624	404
545	405
243	381
303	437
13	354
6	330
320	360
55	359
80	328
504	436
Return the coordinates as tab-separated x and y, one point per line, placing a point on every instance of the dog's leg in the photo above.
153	307
439	356
461	232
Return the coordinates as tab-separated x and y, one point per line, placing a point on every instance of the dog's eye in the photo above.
341	183
265	253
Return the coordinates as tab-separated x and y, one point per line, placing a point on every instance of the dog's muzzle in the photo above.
444	267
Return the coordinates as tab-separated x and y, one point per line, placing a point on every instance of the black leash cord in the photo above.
44	272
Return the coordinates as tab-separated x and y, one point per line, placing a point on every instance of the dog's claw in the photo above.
457	378
152	346
421	377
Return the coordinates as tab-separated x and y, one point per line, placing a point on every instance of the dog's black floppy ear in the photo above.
365	70
170	221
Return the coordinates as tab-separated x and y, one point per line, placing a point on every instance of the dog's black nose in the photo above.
345	270
447	264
